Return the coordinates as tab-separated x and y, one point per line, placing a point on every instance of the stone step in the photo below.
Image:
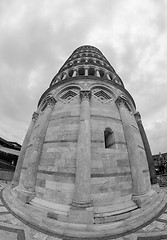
156	200
50	206
38	218
152	209
114	209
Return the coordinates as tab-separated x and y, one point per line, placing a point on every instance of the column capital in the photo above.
35	116
50	102
137	116
121	102
85	94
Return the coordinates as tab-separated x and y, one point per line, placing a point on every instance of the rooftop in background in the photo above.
9	144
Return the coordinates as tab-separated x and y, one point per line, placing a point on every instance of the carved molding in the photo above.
85	94
121	102
35	116
86	85
82	204
50	102
137	117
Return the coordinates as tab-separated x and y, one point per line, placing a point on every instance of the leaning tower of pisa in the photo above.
85	170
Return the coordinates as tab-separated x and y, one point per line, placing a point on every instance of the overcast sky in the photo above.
37	36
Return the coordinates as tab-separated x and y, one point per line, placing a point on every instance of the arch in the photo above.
82	60
70	73
63	76
109	138
67	94
81	71
101	72
116	80
44	102
111	77
91	71
128	103
42	105
107	76
90	61
107	90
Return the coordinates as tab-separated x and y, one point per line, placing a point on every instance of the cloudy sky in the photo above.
36	37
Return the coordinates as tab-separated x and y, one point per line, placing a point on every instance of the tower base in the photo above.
58	222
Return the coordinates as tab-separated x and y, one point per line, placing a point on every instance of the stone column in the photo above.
86	72
81	210
64	76
20	160
74	73
150	161
138	181
28	191
97	73
107	75
83	161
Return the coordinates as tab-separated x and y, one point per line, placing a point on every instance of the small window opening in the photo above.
109	138
90	61
63	76
101	73
70	73
81	71
82	60
111	76
91	71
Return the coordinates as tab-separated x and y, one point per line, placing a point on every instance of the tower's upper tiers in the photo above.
87	61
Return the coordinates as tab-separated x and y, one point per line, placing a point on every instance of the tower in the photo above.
85	164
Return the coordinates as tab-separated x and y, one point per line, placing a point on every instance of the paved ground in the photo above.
13	229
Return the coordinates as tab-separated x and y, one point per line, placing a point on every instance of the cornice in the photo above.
79	78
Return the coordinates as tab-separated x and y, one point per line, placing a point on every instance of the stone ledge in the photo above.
28	214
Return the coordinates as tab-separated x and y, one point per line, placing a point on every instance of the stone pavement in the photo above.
11	228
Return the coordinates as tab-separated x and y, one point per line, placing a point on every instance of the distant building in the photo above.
156	158
9	152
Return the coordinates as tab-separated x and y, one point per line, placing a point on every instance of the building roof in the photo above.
9	144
